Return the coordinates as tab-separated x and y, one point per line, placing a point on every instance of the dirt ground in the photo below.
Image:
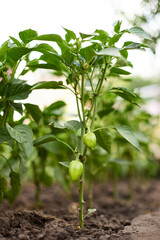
57	219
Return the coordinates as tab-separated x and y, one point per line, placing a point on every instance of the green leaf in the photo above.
114	52
49	37
70	33
117	70
125	94
73	125
103	139
88	53
24	136
34	111
139	32
127	133
16	53
65	164
44	66
16	41
18	90
84	35
45	139
90	211
27	35
3	50
48	85
17	107
117	26
15	186
4	135
102	36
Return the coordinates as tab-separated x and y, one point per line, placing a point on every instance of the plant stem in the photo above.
81	188
5	114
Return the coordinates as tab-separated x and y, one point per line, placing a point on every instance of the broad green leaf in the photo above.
16	53
102	36
70	33
127	133
115	39
49	37
44	66
45	139
88	53
125	94
4	135
139	32
34	111
52	109
84	35
117	70
18	90
17	107
104	139
65	164
67	54
115	52
16	41
23	135
3	50
43	47
73	125
48	85
28	35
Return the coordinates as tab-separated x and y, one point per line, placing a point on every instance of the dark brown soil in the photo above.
58	218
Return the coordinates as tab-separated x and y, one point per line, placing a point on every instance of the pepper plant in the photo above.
87	61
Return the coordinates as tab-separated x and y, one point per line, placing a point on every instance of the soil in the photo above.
57	218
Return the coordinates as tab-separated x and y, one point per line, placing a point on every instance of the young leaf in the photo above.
103	139
70	33
117	26
127	133
90	211
27	35
139	32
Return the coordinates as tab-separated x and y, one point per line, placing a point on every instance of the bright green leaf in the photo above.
127	133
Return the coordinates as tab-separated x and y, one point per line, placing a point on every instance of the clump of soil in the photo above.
57	219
